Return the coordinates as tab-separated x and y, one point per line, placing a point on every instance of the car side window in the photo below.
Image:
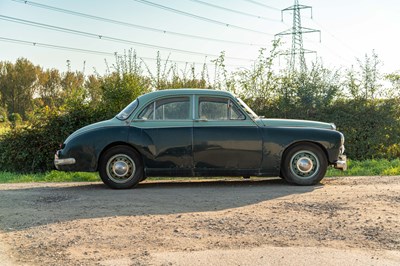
176	108
235	113
218	109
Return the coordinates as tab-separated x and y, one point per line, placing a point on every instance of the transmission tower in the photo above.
297	59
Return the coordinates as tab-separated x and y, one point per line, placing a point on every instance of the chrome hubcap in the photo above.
121	168
304	164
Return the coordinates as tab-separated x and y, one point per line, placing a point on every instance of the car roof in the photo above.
183	91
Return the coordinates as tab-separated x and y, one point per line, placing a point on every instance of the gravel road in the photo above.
347	221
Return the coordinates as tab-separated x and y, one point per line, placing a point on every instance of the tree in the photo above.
260	82
49	87
17	84
73	91
93	86
394	78
119	89
364	82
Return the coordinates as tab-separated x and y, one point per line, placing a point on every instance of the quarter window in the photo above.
177	108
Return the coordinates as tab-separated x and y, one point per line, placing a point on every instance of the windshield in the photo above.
124	114
247	109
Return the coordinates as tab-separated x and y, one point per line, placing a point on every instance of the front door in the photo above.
225	140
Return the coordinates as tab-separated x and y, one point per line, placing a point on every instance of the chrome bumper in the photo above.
341	164
66	161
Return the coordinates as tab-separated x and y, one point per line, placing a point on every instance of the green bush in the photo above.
3	115
15	119
371	127
31	148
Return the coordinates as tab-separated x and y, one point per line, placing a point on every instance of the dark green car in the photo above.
191	132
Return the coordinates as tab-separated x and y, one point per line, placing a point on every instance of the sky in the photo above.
350	29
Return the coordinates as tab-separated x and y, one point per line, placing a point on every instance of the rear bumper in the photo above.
341	164
60	162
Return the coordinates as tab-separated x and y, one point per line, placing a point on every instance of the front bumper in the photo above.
341	163
60	162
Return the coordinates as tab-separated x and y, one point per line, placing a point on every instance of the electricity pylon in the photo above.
297	59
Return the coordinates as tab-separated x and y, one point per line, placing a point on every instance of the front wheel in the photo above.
304	164
120	167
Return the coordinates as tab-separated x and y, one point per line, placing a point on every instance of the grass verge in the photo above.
53	176
368	168
356	168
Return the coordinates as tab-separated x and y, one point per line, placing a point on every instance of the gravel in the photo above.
212	222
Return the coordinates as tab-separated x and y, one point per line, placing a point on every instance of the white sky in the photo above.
350	29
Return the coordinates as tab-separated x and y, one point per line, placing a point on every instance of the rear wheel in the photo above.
120	167
304	164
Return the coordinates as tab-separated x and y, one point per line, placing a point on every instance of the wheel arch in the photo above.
303	142
115	144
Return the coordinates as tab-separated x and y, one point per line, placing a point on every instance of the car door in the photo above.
225	140
166	129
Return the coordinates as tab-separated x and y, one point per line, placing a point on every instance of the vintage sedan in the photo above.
196	132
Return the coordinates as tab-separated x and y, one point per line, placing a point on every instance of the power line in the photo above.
235	11
263	5
344	44
127	24
332	51
200	17
51	46
108	38
95	52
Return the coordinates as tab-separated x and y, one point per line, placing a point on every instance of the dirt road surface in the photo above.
343	221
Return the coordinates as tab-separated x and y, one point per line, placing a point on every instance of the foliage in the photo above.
167	76
371	167
119	89
15	120
49	87
260	83
3	115
372	128
31	148
123	85
394	78
4	128
17	86
51	176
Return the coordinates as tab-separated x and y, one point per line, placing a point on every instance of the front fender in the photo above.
278	139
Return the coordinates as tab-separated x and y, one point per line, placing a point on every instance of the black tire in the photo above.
120	167
281	176
304	164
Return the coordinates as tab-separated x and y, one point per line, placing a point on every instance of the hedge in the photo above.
371	129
